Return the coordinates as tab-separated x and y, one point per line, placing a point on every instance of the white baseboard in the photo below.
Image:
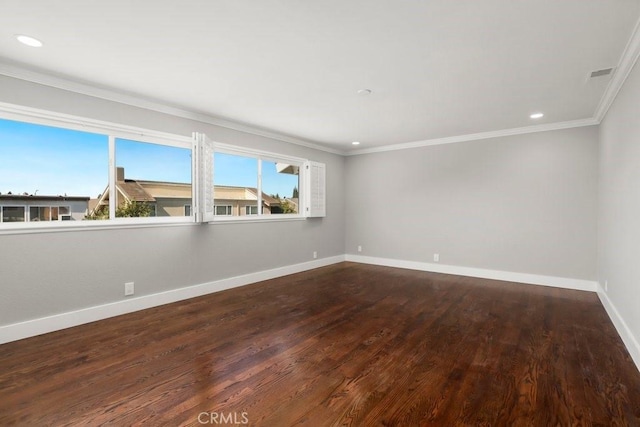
57	322
533	279
621	326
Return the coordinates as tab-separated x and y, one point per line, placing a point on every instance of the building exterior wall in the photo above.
77	208
171	206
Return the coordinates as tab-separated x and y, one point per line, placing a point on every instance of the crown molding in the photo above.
90	89
627	61
478	136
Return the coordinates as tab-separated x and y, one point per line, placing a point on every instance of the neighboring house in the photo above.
239	201
174	199
30	208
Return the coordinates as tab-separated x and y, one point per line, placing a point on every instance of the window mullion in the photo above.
259	207
112	177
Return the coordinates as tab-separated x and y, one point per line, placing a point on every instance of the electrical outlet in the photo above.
359	248
129	289
315	254
436	257
606	286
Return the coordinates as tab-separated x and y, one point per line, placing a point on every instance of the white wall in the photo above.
523	204
619	210
51	273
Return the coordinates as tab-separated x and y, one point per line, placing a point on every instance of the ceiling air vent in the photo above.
600	73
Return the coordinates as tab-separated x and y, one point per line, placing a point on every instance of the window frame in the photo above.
25	209
50	207
249	208
197	143
261	156
112	131
229	210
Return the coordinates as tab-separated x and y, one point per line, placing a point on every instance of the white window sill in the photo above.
122	223
96	225
255	218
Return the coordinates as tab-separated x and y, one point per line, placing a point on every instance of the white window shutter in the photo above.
204	182
316	191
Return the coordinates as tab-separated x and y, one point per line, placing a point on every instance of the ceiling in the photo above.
436	69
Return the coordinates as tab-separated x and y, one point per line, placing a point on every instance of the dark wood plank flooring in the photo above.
347	344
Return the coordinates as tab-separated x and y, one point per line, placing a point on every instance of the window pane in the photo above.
280	183
43	213
235	182
223	210
35	214
152	179
13	214
50	162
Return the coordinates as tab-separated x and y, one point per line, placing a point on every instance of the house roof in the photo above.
43	198
268	200
133	191
163	189
150	191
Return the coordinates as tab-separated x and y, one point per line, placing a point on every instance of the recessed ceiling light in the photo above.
28	40
537	115
355	143
364	92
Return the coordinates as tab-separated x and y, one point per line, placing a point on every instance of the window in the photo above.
44	213
152	180
12	214
256	183
85	172
223	210
280	182
49	162
65	213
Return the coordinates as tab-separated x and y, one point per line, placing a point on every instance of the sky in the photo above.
52	161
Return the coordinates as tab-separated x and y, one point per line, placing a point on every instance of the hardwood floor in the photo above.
348	344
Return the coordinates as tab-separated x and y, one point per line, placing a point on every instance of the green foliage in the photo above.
295	192
287	207
102	212
131	209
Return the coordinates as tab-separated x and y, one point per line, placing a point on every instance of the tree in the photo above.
295	192
287	207
101	212
133	209
130	209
